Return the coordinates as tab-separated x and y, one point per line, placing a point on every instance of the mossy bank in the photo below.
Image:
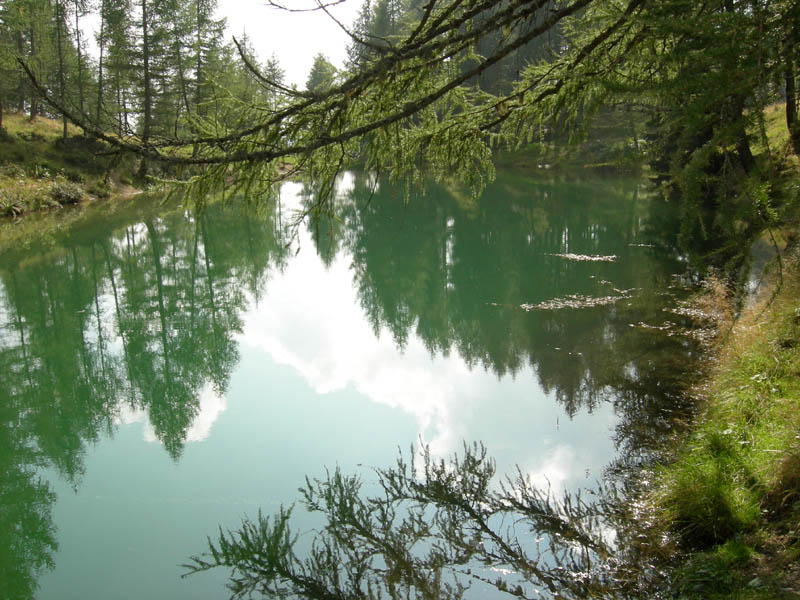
41	169
730	497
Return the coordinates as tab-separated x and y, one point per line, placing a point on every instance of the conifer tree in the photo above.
322	75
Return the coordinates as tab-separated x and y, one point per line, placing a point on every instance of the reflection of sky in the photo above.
7	339
314	388
310	319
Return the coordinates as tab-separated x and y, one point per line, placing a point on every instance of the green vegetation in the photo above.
731	495
706	91
435	89
610	145
40	169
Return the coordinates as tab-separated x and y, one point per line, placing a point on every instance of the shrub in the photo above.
31	136
10	205
80	144
12	171
73	176
40	171
66	192
100	189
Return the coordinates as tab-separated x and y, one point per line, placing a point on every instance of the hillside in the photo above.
40	169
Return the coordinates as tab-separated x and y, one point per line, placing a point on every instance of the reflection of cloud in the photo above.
210	406
311	319
555	469
312	322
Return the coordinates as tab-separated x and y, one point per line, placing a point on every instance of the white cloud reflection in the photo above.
555	469
310	319
210	407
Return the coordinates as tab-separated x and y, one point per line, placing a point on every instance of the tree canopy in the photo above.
413	102
432	88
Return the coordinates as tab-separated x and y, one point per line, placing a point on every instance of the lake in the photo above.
165	373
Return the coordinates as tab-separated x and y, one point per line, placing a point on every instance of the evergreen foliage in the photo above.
433	88
432	529
322	75
160	66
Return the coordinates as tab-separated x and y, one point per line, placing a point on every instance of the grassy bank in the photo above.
40	169
730	499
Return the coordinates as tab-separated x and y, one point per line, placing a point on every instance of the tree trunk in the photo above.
791	103
101	49
80	56
34	97
746	157
62	84
117	88
126	124
790	81
182	82
147	77
23	82
199	74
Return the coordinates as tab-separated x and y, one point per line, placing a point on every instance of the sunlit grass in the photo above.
41	169
49	129
773	125
735	482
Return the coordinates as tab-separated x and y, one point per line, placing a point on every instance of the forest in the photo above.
702	97
430	89
150	68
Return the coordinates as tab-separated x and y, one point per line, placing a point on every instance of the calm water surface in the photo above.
165	373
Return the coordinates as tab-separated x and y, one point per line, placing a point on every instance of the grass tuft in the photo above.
731	494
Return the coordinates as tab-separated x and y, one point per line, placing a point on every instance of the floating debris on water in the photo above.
669	325
641	245
587	257
692	312
573	301
704	335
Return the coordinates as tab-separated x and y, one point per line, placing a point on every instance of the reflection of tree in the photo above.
432	530
464	274
144	317
26	529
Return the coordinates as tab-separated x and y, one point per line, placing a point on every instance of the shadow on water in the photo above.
139	312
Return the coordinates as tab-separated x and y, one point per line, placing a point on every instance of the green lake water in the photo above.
165	373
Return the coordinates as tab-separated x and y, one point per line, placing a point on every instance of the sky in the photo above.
294	38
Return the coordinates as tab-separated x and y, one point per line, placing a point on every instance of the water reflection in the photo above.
109	327
140	316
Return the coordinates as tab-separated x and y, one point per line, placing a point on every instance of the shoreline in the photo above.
728	496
